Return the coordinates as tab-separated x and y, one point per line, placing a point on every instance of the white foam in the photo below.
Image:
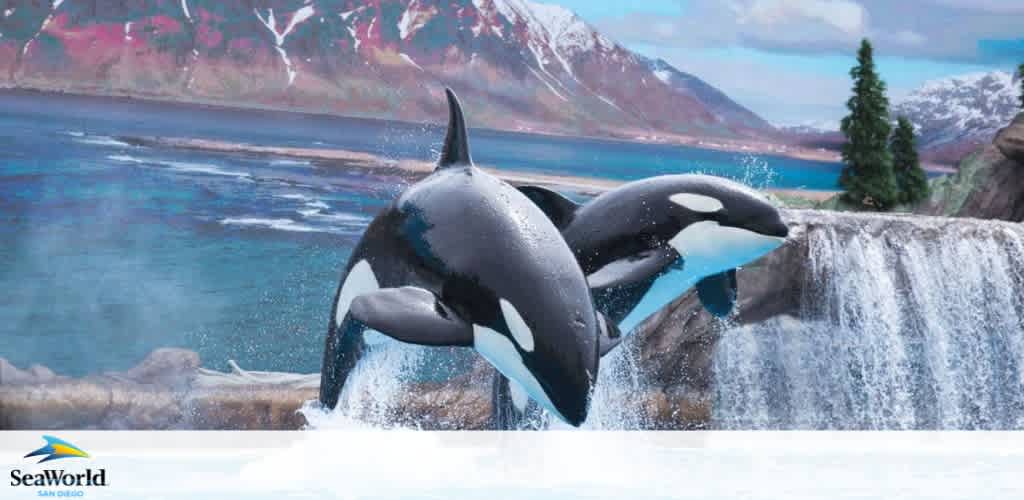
201	168
126	159
186	167
98	140
342	218
374	392
278	224
290	163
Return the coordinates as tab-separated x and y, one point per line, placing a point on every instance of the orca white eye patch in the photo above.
697	202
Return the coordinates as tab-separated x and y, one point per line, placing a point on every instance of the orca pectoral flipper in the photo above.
635	268
558	208
412	315
718	292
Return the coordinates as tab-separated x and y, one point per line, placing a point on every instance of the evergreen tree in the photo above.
910	177
867	177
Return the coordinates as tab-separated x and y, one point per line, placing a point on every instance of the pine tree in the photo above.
867	177
911	180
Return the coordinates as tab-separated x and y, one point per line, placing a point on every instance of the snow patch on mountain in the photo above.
280	35
810	127
405	57
46	22
563	31
413	18
965	107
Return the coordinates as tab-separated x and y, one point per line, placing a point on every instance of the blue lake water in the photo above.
110	250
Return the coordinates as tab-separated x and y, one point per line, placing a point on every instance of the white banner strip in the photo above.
498	465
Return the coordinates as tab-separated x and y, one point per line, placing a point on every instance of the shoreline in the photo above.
755	146
412	168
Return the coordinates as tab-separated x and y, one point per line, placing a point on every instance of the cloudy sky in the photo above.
788	60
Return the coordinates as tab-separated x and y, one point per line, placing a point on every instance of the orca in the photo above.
646	242
462	258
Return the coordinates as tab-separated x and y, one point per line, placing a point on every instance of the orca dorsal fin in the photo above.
456	142
558	208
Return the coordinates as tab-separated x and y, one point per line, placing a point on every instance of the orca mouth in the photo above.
767	224
571	403
575	414
776	229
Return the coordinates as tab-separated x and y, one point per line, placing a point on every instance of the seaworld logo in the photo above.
57	448
57	478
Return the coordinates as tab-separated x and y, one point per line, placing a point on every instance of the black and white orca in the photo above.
462	258
645	243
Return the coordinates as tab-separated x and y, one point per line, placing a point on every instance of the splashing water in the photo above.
372	394
897	331
376	391
917	324
616	403
756	172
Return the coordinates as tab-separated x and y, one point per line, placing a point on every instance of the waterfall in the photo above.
901	323
913	325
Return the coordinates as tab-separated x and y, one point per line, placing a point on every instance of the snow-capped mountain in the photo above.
518	64
725	108
811	127
954	115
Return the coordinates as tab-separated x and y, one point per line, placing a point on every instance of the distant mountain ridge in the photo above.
958	114
518	64
952	116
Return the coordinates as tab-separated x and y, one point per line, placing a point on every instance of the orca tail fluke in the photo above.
456	143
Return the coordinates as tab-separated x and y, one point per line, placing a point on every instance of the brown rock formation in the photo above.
990	183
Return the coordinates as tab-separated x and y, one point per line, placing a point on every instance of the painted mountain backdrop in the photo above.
959	114
952	116
519	65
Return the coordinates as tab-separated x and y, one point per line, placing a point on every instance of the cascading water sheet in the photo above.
921	329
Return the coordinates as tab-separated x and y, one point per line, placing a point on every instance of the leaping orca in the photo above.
462	258
645	243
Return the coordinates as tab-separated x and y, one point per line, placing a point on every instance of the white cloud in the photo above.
779	95
998	6
845	16
948	30
909	37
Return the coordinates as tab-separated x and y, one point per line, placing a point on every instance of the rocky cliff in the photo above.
989	184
